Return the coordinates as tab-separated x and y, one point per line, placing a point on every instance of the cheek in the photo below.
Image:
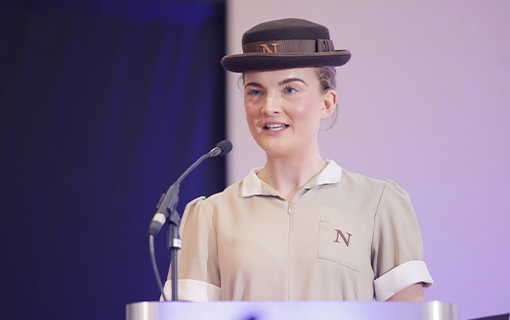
251	112
252	116
308	110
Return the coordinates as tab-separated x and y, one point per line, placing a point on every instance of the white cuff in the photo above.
400	278
193	290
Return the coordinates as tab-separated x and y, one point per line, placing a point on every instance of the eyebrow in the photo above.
253	84
281	83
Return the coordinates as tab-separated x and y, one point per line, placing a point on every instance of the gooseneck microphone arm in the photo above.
168	201
166	213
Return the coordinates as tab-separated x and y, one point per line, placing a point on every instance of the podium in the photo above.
278	310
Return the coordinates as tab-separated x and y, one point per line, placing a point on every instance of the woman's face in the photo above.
284	109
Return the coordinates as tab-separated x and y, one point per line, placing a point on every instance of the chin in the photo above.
276	145
277	150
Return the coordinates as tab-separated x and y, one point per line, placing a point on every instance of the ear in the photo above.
329	106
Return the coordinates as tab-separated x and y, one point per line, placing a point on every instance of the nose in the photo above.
271	105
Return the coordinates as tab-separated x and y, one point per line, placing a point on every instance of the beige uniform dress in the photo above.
343	237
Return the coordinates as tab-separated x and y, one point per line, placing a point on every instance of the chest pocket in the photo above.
342	239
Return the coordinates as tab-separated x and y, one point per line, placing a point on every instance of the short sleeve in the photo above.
397	247
199	278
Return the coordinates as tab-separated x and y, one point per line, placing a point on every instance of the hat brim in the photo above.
270	61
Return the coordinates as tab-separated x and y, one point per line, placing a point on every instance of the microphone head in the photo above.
226	147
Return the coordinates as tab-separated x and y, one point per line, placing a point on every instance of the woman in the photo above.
300	228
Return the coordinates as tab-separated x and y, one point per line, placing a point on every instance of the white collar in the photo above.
253	186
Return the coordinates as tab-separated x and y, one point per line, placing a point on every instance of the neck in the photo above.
288	175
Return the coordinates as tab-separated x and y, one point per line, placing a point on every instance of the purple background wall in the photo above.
425	102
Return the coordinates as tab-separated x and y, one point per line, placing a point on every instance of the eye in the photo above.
254	92
289	90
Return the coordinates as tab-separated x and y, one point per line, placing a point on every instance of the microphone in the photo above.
221	149
168	201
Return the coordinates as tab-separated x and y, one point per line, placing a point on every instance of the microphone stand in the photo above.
168	204
166	213
174	245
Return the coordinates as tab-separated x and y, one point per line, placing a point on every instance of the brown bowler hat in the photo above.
285	44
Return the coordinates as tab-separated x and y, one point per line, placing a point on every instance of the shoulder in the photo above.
377	194
361	184
359	181
358	178
228	195
204	209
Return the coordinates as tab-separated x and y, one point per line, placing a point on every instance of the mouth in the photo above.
275	126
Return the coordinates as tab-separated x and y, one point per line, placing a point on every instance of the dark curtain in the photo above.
103	104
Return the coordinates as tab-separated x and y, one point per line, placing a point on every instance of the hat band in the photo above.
290	46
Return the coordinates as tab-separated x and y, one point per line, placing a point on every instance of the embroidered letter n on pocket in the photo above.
341	239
